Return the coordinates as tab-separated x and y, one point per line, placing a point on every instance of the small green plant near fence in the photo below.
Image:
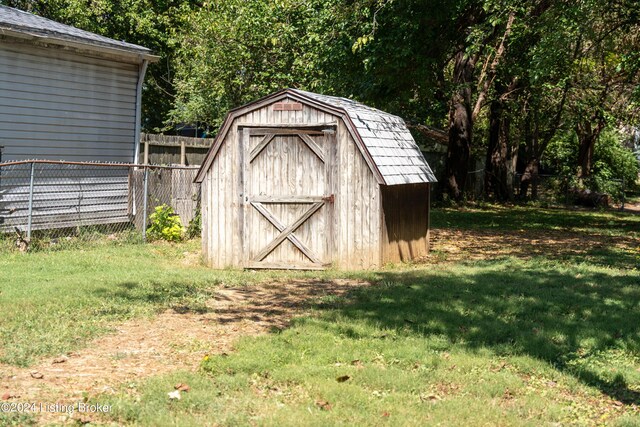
165	225
195	226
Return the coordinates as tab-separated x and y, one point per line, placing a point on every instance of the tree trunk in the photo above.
587	137
499	157
460	127
531	160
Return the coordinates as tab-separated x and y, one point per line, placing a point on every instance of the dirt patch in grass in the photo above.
456	245
177	339
633	208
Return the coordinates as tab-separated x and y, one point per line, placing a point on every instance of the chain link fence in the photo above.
53	202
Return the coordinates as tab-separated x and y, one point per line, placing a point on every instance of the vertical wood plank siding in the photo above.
59	106
406	222
356	231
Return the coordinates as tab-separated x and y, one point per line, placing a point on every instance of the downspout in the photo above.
136	154
142	72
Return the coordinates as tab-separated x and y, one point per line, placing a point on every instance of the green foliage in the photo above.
561	156
555	66
195	226
236	51
165	225
612	162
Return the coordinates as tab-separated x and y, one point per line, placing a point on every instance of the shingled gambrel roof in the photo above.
28	24
385	137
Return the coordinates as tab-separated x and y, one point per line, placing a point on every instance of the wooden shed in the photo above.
299	180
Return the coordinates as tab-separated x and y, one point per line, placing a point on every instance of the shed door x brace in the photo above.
287	196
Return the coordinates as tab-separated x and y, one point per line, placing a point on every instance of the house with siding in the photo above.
66	94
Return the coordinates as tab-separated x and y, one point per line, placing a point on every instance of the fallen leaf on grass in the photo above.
174	395
324	405
37	375
429	398
385	414
499	368
182	387
343	378
83	420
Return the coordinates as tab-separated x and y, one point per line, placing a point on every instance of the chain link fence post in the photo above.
145	180
30	209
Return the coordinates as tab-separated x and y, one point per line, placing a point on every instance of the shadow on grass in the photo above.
565	318
532	218
622	258
182	296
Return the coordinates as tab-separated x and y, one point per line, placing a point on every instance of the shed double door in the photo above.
287	197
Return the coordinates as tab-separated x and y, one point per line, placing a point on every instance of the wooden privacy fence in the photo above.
161	149
164	186
55	195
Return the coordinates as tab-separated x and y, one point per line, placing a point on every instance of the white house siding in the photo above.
57	105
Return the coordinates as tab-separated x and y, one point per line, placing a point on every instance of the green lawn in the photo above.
54	301
606	222
499	341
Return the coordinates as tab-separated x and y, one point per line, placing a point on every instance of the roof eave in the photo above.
136	56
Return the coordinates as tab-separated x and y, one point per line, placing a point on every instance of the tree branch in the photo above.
487	77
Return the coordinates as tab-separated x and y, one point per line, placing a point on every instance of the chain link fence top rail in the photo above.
60	198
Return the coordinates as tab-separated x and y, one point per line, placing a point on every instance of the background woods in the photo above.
525	87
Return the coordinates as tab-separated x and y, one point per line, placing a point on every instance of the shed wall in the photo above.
406	222
357	208
60	106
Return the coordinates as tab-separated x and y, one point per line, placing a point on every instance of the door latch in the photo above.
330	198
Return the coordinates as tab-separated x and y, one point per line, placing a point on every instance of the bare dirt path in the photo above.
633	208
169	342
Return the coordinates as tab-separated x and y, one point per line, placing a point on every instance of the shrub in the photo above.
612	162
165	225
195	226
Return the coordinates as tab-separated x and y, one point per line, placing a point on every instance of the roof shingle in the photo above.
386	137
